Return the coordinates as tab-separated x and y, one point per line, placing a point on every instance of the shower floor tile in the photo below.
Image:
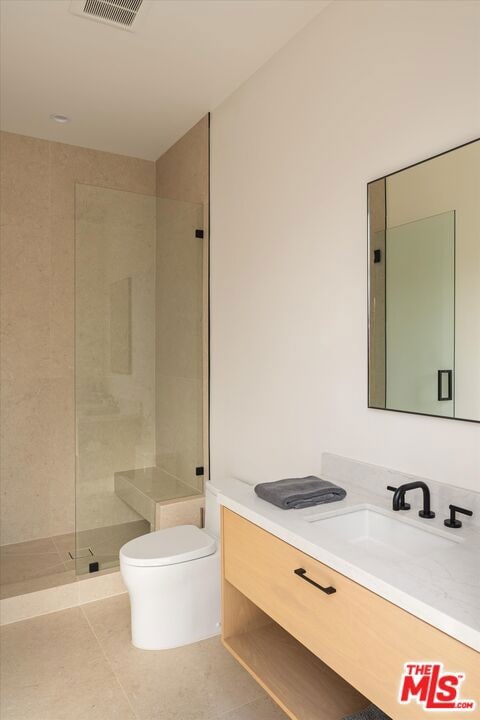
43	582
104	542
80	664
29	561
40	564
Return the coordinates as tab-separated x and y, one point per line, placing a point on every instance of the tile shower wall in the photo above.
37	306
182	327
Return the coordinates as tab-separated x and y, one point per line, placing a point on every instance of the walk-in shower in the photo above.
138	340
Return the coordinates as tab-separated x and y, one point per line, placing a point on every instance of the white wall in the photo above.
364	89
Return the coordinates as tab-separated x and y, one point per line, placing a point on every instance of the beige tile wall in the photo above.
37	313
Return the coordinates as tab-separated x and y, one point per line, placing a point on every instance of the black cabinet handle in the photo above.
441	394
302	573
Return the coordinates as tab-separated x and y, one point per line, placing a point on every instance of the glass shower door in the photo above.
138	365
180	348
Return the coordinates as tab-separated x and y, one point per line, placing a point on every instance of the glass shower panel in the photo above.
114	364
139	343
180	348
420	315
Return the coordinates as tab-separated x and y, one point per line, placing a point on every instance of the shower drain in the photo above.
81	553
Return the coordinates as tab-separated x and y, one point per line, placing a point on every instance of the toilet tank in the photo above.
212	510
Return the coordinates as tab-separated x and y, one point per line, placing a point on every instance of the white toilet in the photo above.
173	579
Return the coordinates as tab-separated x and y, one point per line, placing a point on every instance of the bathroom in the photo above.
194	302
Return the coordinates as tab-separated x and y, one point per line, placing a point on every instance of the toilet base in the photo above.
174	605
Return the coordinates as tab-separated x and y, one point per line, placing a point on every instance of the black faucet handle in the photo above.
403	504
452	521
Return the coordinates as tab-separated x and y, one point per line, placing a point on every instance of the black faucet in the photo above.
403	505
399	497
452	521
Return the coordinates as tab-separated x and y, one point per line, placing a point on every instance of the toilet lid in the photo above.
168	547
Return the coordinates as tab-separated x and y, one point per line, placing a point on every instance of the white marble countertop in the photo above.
440	587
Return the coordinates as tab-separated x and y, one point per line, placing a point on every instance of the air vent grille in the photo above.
132	5
121	13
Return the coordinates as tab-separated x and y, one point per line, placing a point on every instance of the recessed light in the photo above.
62	119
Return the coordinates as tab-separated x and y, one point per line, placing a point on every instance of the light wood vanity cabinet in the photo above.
358	641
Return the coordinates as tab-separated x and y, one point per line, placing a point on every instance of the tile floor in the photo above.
79	664
40	564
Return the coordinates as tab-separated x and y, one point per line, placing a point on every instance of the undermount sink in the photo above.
380	534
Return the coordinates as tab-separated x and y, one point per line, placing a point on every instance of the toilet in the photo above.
173	579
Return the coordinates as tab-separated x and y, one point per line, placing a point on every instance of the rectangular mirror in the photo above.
424	287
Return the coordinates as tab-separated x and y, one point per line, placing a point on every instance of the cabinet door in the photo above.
362	637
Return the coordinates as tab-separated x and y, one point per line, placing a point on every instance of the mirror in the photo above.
424	287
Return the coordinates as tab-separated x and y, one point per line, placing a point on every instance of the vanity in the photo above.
324	615
327	607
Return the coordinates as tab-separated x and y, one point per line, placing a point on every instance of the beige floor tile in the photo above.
52	668
64	544
62	577
18	567
44	545
29	566
34	648
105	543
46	563
79	664
263	709
94	697
197	682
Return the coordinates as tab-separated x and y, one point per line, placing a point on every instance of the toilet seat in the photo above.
168	547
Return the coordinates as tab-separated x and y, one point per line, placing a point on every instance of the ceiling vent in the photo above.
119	13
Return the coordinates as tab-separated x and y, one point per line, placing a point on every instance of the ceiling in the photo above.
134	93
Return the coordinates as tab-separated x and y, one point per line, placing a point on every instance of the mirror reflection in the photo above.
424	287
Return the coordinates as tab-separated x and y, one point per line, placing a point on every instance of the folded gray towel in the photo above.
370	713
299	492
